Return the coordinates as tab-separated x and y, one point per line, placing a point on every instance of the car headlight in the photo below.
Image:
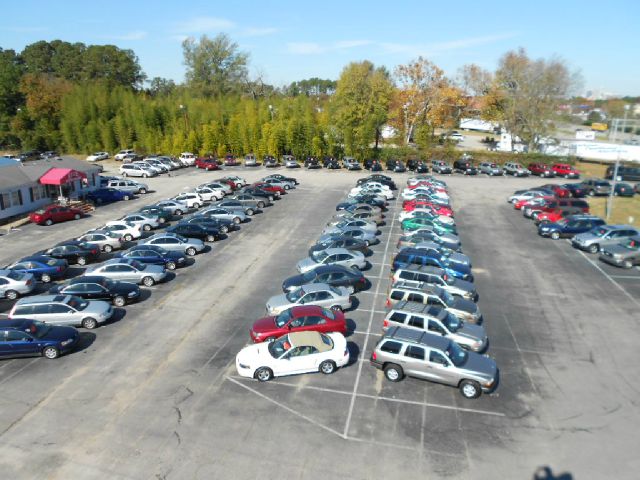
64	343
242	365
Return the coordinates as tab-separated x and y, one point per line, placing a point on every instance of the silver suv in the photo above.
432	295
437	276
62	310
596	238
515	169
437	321
128	186
625	254
403	351
490	168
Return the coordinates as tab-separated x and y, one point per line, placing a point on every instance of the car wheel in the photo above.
119	301
144	175
125	174
162	220
264	374
81	261
142	191
366	243
170	265
76	216
108	248
211	238
12	294
128	237
626	264
260	204
48	222
148	281
190	251
393	372
555	235
89	323
591	193
249	212
46	278
615	194
328	367
196	205
470	389
287	187
271	198
50	353
236	220
594	248
224	229
126	198
178	212
566	176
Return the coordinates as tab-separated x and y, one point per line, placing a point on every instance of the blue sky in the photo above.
292	40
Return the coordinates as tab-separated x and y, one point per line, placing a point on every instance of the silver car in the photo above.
13	284
251	201
625	254
105	240
405	352
491	169
276	182
336	228
173	206
175	243
238	206
236	216
63	310
438	277
319	294
378	218
128	186
367	236
332	256
599	237
142	220
436	320
127	270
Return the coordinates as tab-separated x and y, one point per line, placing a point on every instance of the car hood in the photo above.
264	325
60	333
479	364
278	301
471	331
586	237
460	258
252	355
464	285
464	305
292	282
306	264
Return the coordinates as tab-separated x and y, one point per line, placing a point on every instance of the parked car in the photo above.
123	153
334	275
224	226
250	160
320	294
207	164
436	321
351	244
95	157
55	213
293	353
441	167
597	238
279	183
577	190
465	167
30	338
108	195
417	223
565	170
334	256
127	270
155	255
594	186
209	194
248	205
351	163
546	205
194	230
144	221
270	162
623	190
411	239
105	240
541	170
290	161
491	169
127	231
43	268
556	215
190	199
65	310
136	170
298	319
343	223
250	201
367	236
187	159
412	256
13	284
175	243
163	216
172	206
236	216
436	276
129	186
73	254
90	287
569	226
230	160
624	254
413	353
515	169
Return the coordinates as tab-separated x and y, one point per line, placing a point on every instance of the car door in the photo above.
413	361
300	360
94	291
324	299
19	344
441	369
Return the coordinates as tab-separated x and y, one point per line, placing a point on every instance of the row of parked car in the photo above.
560	212
305	327
43	324
433	329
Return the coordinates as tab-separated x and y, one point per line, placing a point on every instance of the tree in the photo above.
474	80
528	93
214	66
161	87
11	98
362	99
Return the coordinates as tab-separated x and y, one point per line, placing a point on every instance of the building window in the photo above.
16	198
5	201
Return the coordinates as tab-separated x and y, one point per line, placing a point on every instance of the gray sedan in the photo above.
175	243
319	294
349	222
106	241
176	208
236	216
13	284
127	270
368	237
332	256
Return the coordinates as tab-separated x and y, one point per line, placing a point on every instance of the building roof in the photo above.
15	174
61	176
12	176
65	162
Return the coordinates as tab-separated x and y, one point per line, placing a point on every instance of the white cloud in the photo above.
204	25
257	31
344	44
305	48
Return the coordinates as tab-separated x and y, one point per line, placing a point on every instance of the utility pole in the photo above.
615	170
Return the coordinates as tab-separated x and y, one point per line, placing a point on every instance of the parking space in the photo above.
158	389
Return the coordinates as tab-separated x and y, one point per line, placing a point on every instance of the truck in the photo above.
478	125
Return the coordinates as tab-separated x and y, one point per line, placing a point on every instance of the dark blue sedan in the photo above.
155	255
29	338
569	226
108	195
42	267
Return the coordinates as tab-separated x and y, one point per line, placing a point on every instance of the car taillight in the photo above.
385	323
58	269
94	251
388	303
28	282
374	356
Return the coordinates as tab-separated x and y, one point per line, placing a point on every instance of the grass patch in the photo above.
623	209
591	170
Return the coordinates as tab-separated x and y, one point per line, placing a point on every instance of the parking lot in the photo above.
155	394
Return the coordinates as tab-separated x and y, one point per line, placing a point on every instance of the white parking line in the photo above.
371	311
372	293
360	332
366	339
626	277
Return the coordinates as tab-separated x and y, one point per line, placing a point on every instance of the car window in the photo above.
17	336
435	327
416	321
397	295
414	352
391	347
56	308
436	357
416	297
323	296
314	320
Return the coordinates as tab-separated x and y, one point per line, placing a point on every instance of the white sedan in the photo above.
142	221
364	189
126	230
528	195
209	194
423	212
191	199
296	352
95	157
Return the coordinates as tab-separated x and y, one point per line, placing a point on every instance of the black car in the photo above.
376	167
95	287
278	176
422	167
258	192
154	255
376	177
391	165
74	253
577	189
332	164
312	163
334	275
465	167
30	338
223	224
349	243
195	230
400	167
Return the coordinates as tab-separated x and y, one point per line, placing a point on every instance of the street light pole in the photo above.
615	170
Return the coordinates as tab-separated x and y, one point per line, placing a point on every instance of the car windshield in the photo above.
39	329
320	255
452	322
279	347
562	222
40	211
14	275
446	297
77	303
599	232
631	244
137	265
283	318
296	295
456	354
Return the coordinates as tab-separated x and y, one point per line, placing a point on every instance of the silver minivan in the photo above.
596	238
436	320
63	310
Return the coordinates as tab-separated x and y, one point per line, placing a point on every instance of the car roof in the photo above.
620	227
14	324
332	251
430	269
417	336
303	310
315	287
416	286
313	339
37	299
87	279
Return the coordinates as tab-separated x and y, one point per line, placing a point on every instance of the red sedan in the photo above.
556	215
54	214
231	161
298	319
411	205
268	187
207	163
521	204
565	170
559	190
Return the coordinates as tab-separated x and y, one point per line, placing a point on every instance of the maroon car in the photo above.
298	319
207	163
541	169
231	161
54	214
558	190
267	187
